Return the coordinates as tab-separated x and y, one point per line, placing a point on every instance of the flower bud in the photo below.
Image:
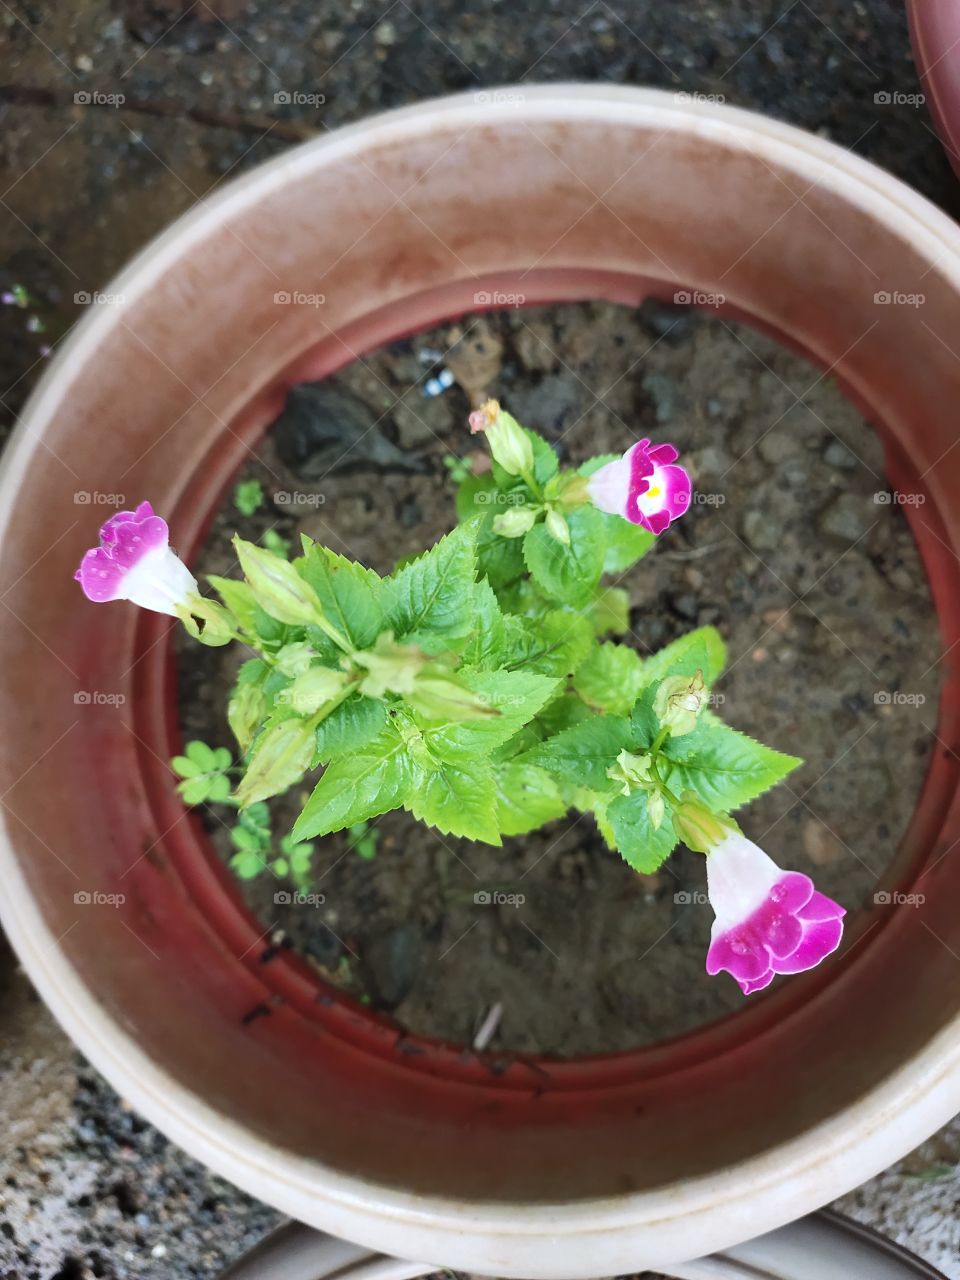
678	702
509	443
698	828
558	528
277	587
631	771
515	522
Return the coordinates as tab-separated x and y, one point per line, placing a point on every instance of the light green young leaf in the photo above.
431	600
248	705
458	801
723	767
610	679
371	780
527	797
281	756
640	843
349	593
582	755
568	574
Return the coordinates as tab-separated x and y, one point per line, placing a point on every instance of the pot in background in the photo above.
592	1167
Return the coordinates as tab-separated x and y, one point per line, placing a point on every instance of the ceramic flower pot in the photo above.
935	34
588	1167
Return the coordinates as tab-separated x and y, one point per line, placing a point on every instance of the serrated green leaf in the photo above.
554	644
609	612
723	767
350	594
582	755
474	496
527	797
570	573
371	780
458	801
494	632
610	679
349	727
641	844
516	695
432	599
699	650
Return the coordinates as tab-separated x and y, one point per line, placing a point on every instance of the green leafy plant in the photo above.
364	839
248	497
485	687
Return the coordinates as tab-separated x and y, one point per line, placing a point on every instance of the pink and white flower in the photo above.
769	921
643	486
134	562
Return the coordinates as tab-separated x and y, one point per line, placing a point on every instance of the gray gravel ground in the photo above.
86	1188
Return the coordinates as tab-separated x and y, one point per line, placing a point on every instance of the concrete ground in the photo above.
117	115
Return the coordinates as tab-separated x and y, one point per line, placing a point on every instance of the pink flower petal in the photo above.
767	921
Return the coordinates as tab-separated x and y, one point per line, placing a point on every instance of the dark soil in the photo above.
815	583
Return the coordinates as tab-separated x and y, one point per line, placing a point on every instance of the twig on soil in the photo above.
288	130
488	1028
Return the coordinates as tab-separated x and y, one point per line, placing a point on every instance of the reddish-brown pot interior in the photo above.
160	397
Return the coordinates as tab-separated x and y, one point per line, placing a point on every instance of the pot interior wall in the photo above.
398	229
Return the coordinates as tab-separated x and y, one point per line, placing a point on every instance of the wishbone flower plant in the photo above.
477	687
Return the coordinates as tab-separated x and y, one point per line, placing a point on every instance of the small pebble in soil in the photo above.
393	960
324	429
